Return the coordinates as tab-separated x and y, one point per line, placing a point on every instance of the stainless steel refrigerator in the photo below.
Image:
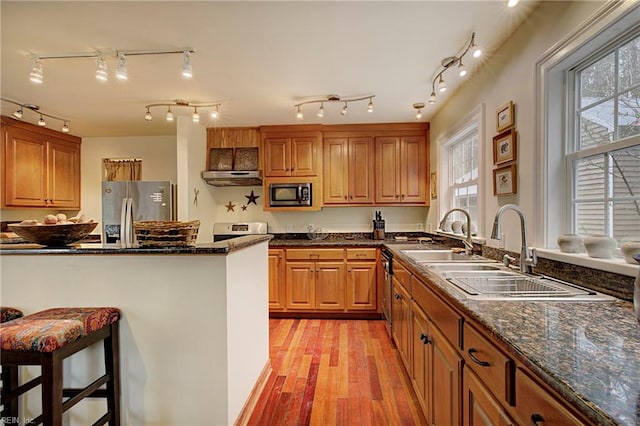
124	202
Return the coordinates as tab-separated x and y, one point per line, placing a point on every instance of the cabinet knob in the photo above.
345	197
351	197
425	339
536	419
475	359
397	296
397	196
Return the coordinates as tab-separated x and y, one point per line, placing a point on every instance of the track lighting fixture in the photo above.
121	71
195	116
18	114
187	72
333	98
418	107
101	69
449	62
37	75
512	3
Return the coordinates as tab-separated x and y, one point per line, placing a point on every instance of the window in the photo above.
603	152
460	165
588	132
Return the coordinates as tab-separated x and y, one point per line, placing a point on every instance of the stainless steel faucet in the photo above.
528	255
468	243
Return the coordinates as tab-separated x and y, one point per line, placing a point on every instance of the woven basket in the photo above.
165	233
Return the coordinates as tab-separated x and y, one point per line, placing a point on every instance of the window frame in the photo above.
474	120
612	21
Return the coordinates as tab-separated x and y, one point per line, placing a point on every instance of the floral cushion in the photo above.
8	314
93	319
41	335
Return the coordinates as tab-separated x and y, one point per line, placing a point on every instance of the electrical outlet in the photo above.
289	228
419	226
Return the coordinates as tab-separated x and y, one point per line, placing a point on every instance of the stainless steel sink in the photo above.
506	285
452	267
429	255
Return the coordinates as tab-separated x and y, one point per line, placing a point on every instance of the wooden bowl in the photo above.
54	235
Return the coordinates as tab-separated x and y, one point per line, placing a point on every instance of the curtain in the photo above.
122	169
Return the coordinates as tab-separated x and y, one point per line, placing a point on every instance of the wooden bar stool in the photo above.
46	338
9	373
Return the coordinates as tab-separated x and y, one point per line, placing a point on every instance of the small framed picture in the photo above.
433	182
505	117
504	147
505	180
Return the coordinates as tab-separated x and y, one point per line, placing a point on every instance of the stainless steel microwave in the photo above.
290	194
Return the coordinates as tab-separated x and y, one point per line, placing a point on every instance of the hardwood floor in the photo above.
335	372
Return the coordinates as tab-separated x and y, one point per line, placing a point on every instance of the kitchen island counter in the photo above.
589	352
194	335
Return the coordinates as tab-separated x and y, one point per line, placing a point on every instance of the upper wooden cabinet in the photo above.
41	167
291	152
401	170
348	170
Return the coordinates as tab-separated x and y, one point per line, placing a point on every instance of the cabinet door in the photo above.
299	292
446	368
277	293
63	175
421	371
479	406
329	283
361	286
387	166
336	171
26	169
361	169
402	322
305	152
277	157
413	170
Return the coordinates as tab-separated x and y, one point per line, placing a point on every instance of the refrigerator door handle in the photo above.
123	220
129	223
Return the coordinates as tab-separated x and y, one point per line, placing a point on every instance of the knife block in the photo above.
378	229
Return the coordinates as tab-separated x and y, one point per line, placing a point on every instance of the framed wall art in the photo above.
504	147
505	180
505	117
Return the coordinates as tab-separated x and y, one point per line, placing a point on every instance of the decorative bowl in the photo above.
316	233
54	235
600	246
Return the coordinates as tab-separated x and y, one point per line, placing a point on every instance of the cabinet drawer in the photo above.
361	254
402	275
493	367
315	254
534	403
445	318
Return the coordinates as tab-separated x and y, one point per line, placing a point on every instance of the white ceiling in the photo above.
257	58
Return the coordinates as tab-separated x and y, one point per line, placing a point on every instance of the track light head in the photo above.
18	114
101	69
462	70
169	115
442	86
147	115
370	105
215	113
121	71
41	122
343	111
65	128
195	117
418	107
321	110
299	114
512	3
37	74
432	98
187	71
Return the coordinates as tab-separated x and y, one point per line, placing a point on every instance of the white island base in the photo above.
194	337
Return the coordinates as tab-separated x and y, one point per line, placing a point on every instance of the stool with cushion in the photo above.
9	373
46	338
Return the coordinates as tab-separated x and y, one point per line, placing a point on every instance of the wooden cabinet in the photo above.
401	170
361	279
401	314
277	292
315	279
536	405
292	155
480	407
348	170
41	167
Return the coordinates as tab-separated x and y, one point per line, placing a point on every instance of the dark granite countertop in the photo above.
222	247
587	351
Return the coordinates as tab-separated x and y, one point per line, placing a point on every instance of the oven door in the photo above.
386	261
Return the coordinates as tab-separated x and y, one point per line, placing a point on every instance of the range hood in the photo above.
233	177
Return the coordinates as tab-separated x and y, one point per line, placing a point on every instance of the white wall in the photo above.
509	74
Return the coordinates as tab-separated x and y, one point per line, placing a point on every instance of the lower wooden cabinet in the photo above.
479	406
323	280
401	314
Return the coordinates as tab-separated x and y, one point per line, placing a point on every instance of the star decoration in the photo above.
252	198
230	206
244	207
